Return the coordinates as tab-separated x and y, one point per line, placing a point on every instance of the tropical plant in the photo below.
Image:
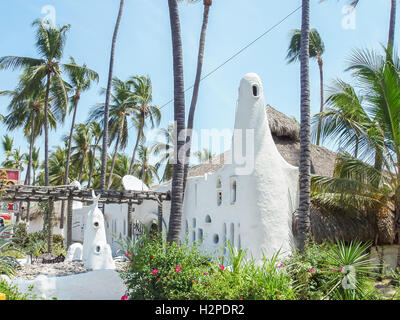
143	94
82	140
302	214
97	133
164	149
15	160
50	42
104	150
142	167
204	155
121	169
316	51
27	112
207	4
8	263
80	80
368	184
123	104
7	144
175	220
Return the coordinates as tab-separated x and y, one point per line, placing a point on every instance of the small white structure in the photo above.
75	252
96	252
133	184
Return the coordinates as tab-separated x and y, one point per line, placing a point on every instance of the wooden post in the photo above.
160	216
129	218
69	221
50	226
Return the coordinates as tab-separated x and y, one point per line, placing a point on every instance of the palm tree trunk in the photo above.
82	166
71	132
107	104
195	93
31	142
392	26
29	169
303	223
140	129
50	226
69	222
321	80
46	132
92	165
114	158
175	220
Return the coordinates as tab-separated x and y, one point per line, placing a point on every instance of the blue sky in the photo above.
144	48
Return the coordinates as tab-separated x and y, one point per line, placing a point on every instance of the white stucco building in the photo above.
249	200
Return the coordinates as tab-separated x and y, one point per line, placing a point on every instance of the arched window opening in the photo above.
255	91
219	198
216	238
208	219
233	191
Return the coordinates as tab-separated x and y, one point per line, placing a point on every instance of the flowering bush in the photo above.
158	270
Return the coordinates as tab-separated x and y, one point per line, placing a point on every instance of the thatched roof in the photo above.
286	133
324	225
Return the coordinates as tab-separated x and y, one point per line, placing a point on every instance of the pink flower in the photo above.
155	271
125	297
221	267
133	262
313	270
280	266
178	268
205	273
340	269
168	276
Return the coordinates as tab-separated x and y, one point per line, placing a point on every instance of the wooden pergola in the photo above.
69	193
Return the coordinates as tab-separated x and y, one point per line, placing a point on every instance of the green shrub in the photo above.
11	291
36	244
8	262
158	270
333	271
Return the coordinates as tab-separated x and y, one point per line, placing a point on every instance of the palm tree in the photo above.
7	143
165	150
143	94
80	80
303	219
121	169
27	112
15	160
35	163
107	103
50	42
143	169
316	50
392	22
97	133
123	105
207	4
82	139
344	119
204	155
175	220
357	185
